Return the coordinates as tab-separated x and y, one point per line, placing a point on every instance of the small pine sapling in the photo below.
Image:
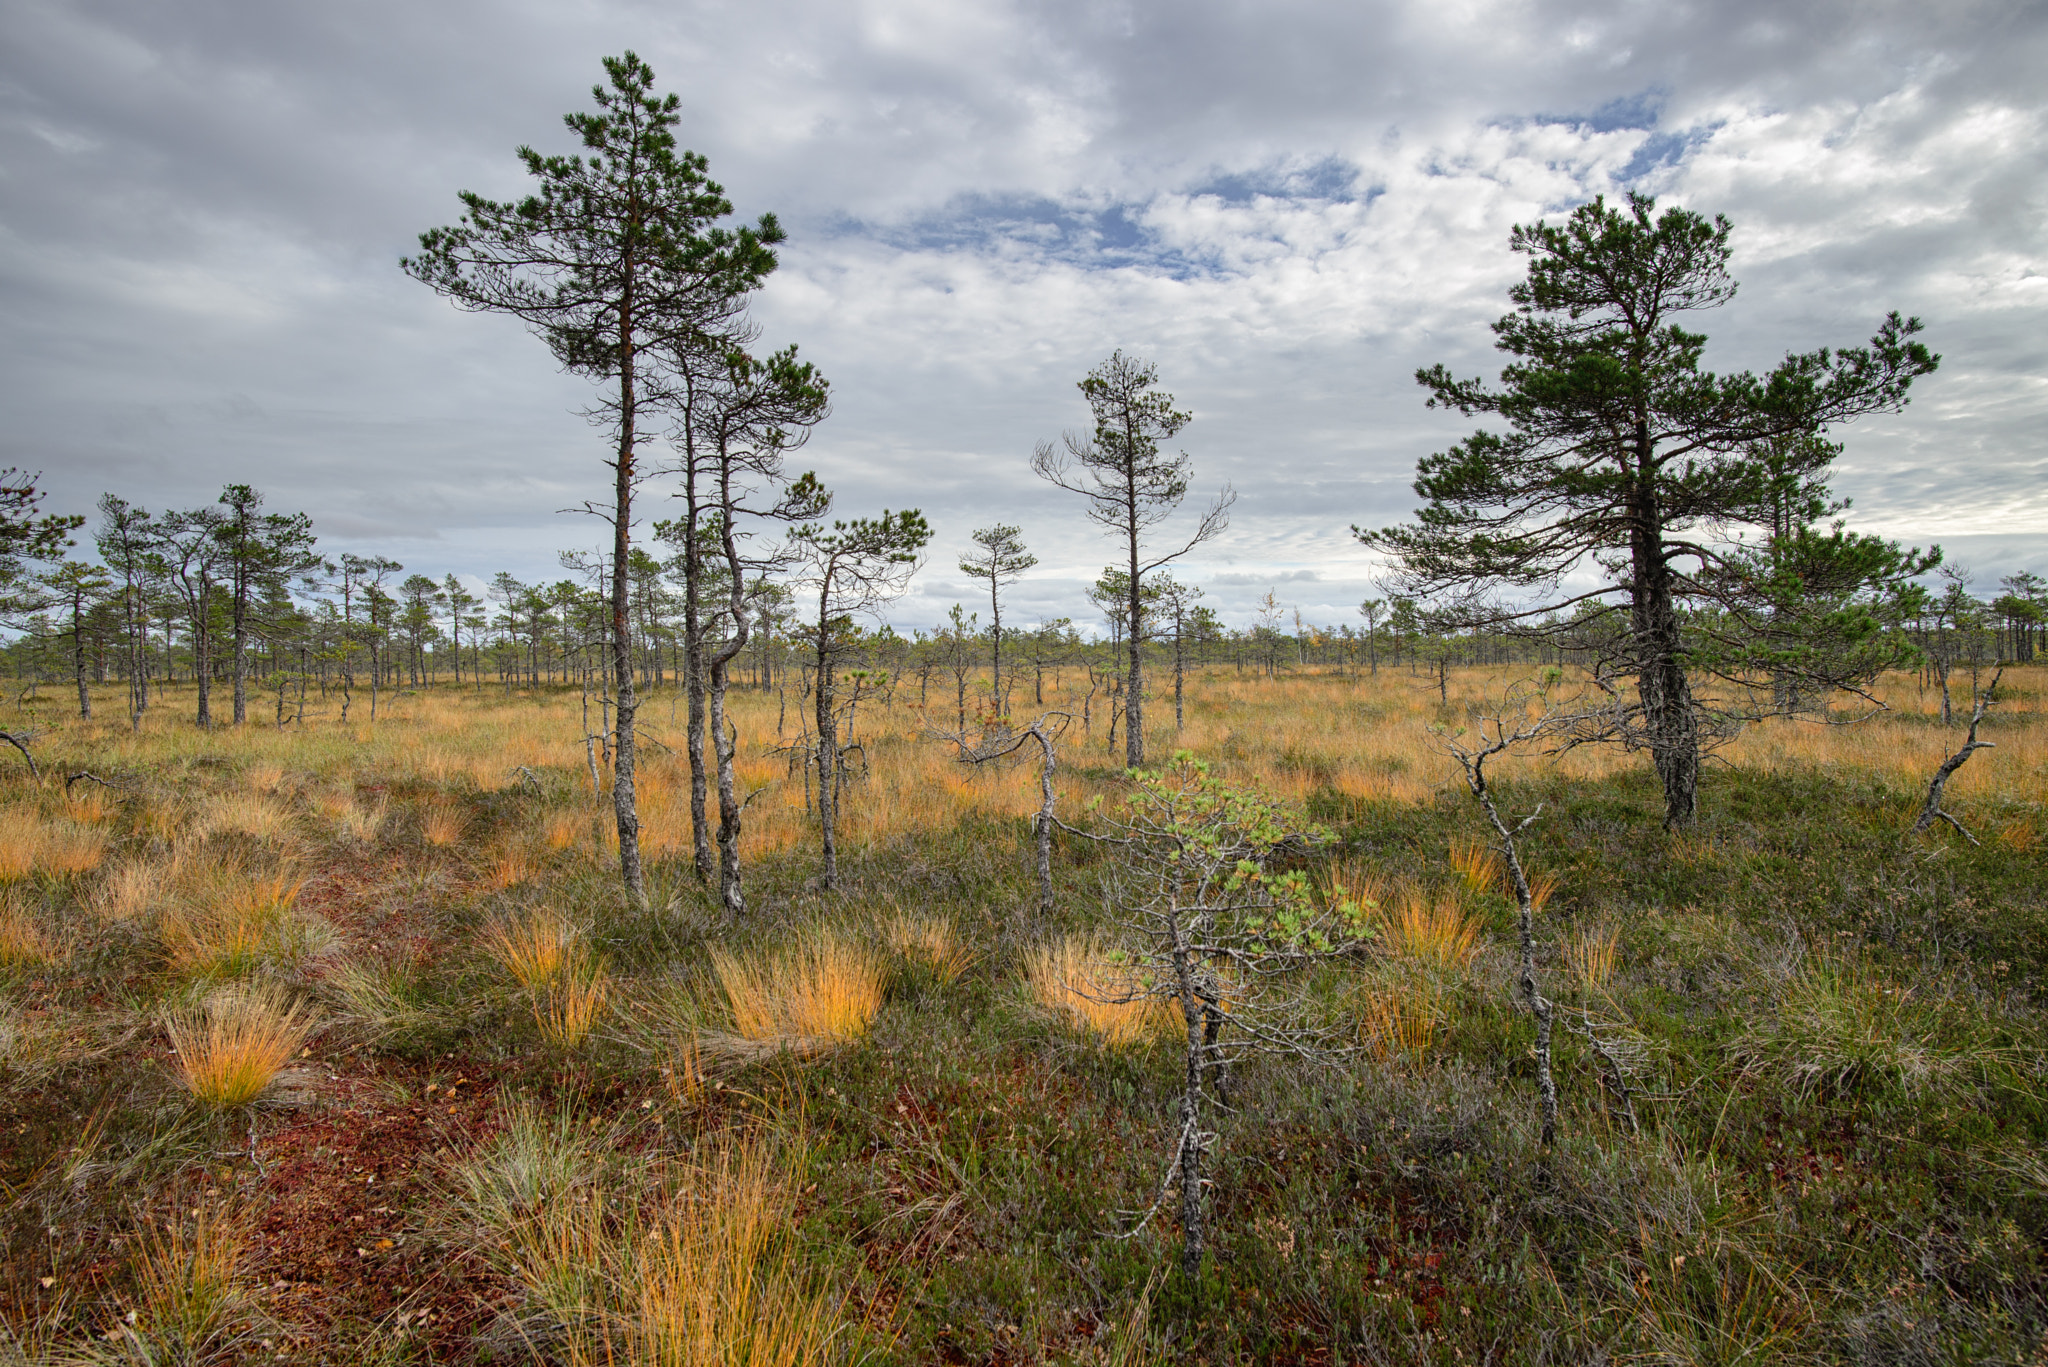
1224	935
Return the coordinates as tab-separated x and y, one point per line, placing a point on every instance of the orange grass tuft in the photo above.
821	991
536	947
715	1282
1398	1023
569	1008
232	920
232	1046
1590	958
1436	932
30	845
1079	979
23	941
443	824
1478	864
932	940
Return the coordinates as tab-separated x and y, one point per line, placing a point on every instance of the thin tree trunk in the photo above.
626	750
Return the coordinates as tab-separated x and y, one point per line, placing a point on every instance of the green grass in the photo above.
1834	1038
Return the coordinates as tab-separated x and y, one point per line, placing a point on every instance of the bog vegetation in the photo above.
678	964
290	1069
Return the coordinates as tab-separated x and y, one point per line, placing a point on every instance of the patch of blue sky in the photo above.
1106	236
1094	237
1330	180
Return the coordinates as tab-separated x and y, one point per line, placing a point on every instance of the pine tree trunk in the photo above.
626	749
1669	720
828	759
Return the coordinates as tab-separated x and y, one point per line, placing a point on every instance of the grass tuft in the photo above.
1435	932
931	940
443	824
535	947
1842	1026
1398	1022
1082	980
30	845
232	1046
822	991
232	921
24	943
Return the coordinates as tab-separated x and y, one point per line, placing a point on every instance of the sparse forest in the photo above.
1624	939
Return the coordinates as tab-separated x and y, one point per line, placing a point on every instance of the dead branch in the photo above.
20	743
1930	810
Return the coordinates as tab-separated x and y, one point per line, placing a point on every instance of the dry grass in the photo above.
30	845
232	1046
538	948
1398	1022
546	955
443	824
361	825
89	804
133	889
251	814
512	867
566	829
263	777
1589	959
24	942
191	1304
1081	980
933	941
715	1281
569	1008
821	991
227	920
1478	864
1436	932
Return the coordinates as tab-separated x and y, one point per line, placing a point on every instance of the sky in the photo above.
1288	207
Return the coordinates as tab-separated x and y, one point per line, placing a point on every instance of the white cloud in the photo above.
1289	209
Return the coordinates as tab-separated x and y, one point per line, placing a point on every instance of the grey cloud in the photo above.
1289	207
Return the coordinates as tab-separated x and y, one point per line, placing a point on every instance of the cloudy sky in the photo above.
1289	206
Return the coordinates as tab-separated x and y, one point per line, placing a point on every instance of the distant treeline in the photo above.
235	597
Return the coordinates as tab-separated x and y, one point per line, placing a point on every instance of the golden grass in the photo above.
716	1281
512	867
130	890
822	990
30	845
1589	959
1434	931
24	943
264	776
536	947
443	824
1358	738
569	1008
1079	979
361	825
226	920
251	814
232	1046
1478	864
89	804
1398	1022
191	1305
545	954
931	940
